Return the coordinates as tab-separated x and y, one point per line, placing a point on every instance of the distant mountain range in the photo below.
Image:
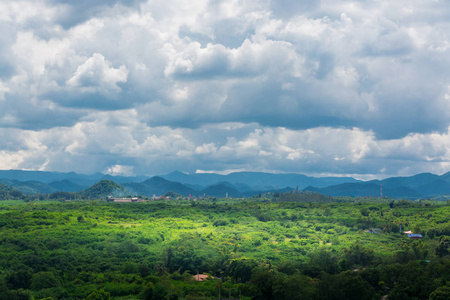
247	181
424	185
240	184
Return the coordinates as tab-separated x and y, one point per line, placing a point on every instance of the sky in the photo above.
143	87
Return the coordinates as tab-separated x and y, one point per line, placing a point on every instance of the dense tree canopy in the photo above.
258	248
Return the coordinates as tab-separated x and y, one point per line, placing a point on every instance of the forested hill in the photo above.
7	192
104	189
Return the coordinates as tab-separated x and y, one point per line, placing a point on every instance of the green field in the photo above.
257	248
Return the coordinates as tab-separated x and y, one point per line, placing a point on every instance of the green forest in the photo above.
284	247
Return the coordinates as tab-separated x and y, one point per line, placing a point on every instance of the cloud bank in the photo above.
144	87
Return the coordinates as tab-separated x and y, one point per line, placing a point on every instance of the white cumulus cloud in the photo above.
97	75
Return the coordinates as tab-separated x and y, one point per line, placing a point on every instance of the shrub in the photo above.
220	222
98	295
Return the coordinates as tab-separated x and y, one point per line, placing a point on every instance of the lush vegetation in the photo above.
281	248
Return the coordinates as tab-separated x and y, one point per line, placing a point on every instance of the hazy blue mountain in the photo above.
30	175
445	176
266	187
367	189
124	179
402	192
194	179
45	177
242	181
7	182
220	190
158	186
257	180
82	181
240	187
411	182
28	187
435	188
66	186
195	187
34	187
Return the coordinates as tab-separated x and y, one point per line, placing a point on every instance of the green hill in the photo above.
105	188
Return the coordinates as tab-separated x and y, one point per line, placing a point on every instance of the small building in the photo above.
408	232
415	236
201	277
124	200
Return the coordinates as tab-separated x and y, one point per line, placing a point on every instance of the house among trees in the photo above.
412	235
415	236
201	277
124	200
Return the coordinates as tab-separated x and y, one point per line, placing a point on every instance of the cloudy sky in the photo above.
145	87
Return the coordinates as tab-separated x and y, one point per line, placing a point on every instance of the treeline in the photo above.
7	193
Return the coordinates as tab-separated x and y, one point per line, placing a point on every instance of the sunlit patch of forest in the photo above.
252	249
